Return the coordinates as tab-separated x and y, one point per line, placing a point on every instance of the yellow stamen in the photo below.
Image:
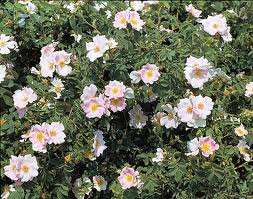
170	116
25	168
122	21
67	158
97	49
25	99
201	106
58	88
40	136
100	182
52	133
94	107
205	147
134	21
115	90
150	73
129	178
51	66
6	189
2	122
61	63
189	109
216	26
240	131
115	102
2	43
197	74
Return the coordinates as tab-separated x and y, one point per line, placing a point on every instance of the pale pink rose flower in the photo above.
185	110
135	77
100	183
21	112
214	24
97	48
115	89
135	21
197	62
106	103
128	178
202	106
149	73
28	168
55	133
12	170
93	107
170	119
57	87
137	5
7	43
89	92
39	137
193	147
241	131
62	59
99	143
226	36
195	12
47	64
249	90
118	104
207	146
243	147
48	49
121	19
22	97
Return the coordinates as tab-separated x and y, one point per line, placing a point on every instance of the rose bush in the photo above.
128	100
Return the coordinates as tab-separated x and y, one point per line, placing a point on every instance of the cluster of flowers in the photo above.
213	25
98	146
197	71
99	46
122	18
41	135
242	145
22	98
7	43
206	145
148	74
193	111
141	5
54	61
22	168
249	89
113	98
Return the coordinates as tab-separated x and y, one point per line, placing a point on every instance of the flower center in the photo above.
6	189
115	90
189	109
133	21
53	133
201	106
240	131
216	26
150	73
242	150
115	102
100	182
122	21
97	49
61	63
2	122
25	99
129	178
14	168
170	116
25	168
205	147
94	107
40	136
58	89
51	66
197	74
2	43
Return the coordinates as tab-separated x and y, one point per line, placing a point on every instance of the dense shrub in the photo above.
157	150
